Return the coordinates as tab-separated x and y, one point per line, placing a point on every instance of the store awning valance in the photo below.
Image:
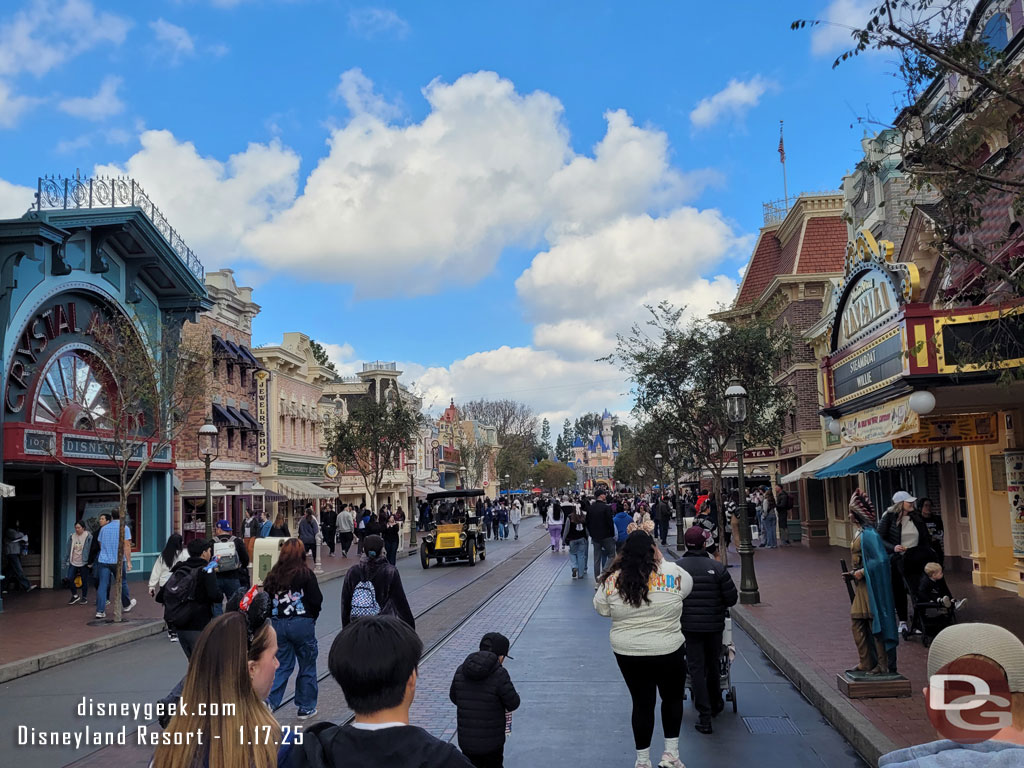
749	470
193	488
298	490
911	457
248	417
222	417
818	463
6	491
243	422
255	363
864	460
423	490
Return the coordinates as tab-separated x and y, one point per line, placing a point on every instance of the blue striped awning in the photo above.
864	460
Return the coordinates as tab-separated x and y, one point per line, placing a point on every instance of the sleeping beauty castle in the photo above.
594	459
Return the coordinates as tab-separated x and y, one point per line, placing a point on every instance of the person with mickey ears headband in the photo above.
234	662
994	736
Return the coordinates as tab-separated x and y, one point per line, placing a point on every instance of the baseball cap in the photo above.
496	643
901	496
988	640
224	525
695	537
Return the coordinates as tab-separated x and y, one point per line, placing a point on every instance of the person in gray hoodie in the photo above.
996	648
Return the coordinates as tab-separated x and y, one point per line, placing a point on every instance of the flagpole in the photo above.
782	157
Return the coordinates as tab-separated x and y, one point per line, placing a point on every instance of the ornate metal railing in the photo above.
775	211
380	365
57	192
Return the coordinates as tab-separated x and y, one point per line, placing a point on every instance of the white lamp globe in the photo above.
922	402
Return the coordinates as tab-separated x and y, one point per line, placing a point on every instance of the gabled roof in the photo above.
598	443
763	266
824	246
577	443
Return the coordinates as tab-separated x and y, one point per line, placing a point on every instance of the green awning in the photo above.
864	460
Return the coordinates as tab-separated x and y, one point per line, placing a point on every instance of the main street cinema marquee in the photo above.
885	343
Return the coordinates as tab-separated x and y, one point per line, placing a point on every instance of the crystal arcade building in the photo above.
86	248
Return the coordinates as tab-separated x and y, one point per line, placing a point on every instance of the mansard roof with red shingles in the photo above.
810	240
763	266
824	245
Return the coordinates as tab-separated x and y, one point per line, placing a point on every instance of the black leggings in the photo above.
646	674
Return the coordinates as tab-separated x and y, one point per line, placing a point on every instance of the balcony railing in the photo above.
379	365
58	193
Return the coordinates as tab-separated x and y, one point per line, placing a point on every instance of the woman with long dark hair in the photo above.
643	594
173	552
296	599
280	526
233	664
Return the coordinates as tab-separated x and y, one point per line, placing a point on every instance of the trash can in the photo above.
265	552
795	530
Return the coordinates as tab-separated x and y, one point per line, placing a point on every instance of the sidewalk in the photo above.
39	630
803	625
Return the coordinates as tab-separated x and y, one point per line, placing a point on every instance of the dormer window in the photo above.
996	32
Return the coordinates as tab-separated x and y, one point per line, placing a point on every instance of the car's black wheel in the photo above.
424	560
471	552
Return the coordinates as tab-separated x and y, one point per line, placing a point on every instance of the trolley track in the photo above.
440	620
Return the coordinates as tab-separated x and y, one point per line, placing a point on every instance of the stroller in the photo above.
927	618
725	665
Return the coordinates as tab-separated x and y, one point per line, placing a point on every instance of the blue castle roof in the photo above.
577	443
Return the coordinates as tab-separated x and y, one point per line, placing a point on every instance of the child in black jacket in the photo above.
482	693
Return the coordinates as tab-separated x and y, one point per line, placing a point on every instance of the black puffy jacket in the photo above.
599	521
889	529
713	591
482	692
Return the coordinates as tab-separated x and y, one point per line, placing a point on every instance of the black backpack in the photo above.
178	596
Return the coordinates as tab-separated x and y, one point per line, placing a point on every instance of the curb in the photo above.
857	729
24	667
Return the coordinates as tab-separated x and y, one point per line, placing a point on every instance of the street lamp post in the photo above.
736	407
673	457
207	444
640	472
462	475
659	462
413	509
508	486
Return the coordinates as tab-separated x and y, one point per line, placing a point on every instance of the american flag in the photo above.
782	148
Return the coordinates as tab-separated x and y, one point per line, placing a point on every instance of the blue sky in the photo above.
484	192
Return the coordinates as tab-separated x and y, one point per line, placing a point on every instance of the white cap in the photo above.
900	496
988	640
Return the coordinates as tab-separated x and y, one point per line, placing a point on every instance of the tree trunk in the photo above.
115	597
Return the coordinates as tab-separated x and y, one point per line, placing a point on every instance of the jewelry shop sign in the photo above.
262	405
880	424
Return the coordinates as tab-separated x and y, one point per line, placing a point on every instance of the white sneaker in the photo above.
132	604
100	615
946	601
670	761
643	764
903	626
957	605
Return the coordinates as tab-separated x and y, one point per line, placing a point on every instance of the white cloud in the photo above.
46	33
13	106
487	168
104	104
14	200
733	101
212	204
357	91
174	40
839	19
371	22
342	355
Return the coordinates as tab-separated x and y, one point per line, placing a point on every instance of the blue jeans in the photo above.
502	531
770	536
578	555
228	585
296	639
107	577
78	570
604	552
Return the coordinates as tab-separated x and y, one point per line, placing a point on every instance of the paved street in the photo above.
144	670
575	705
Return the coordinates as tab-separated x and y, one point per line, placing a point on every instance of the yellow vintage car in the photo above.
459	536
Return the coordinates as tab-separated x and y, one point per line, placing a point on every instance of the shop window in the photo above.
995	34
961	483
230	371
231	439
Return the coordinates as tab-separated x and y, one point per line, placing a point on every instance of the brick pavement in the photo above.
805	608
507	612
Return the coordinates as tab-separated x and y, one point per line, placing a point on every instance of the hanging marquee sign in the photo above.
959	429
879	425
262	415
870	369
